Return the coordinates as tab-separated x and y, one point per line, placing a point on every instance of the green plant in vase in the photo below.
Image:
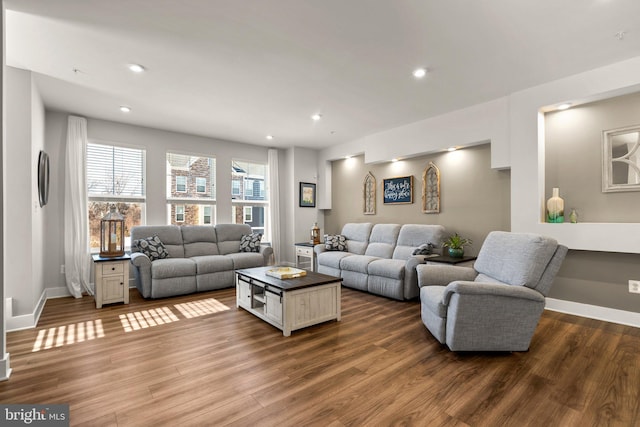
455	244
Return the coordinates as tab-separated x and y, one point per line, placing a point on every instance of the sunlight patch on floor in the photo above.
201	307
147	318
68	334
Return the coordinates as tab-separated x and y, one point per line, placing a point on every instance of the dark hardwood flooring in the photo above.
197	360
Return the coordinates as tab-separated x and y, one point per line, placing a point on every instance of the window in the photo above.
181	184
191	193
248	193
180	213
115	175
201	185
206	214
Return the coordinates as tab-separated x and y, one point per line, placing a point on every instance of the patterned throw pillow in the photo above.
424	249
250	242
151	247
336	242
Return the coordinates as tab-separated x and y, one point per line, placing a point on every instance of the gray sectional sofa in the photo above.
200	258
379	258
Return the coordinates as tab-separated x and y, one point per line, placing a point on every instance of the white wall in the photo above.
157	143
23	222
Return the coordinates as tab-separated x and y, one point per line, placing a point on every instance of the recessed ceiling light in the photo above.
269	137
125	109
394	160
564	106
419	73
347	157
316	117
451	149
136	68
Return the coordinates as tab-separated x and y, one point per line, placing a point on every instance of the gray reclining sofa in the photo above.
200	258
379	258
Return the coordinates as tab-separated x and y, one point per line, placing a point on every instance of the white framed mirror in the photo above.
621	159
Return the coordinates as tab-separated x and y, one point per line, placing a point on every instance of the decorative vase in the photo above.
456	252
555	207
573	216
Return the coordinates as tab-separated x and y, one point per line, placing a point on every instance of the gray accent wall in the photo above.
475	199
573	159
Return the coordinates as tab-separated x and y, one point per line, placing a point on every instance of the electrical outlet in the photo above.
62	269
634	286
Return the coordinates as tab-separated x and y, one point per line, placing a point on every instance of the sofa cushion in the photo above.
413	235
356	263
170	236
332	258
357	235
250	242
335	242
499	258
151	247
383	240
172	267
199	240
246	260
229	236
392	268
212	263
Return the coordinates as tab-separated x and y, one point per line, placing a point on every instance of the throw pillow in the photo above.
336	242
424	249
151	247
250	242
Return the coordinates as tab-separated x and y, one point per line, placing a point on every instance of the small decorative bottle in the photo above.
555	207
315	234
573	216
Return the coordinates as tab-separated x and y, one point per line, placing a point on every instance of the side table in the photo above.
111	278
446	259
305	257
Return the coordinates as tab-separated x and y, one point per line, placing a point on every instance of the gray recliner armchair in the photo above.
496	305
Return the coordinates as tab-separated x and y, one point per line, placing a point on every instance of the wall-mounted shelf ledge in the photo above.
591	236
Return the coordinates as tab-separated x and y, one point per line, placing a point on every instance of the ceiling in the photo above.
240	70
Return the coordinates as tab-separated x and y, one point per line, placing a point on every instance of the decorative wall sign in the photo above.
369	190
431	189
307	195
398	190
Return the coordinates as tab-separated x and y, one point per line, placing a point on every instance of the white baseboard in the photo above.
29	321
5	370
606	314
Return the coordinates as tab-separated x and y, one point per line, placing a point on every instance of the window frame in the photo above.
186	183
183	212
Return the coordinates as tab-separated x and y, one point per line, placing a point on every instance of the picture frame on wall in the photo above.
398	190
307	195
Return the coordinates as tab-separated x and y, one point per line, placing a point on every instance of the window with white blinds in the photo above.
115	176
115	172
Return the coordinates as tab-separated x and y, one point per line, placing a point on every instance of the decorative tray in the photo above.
286	272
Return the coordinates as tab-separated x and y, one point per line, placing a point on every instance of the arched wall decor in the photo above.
369	195
431	189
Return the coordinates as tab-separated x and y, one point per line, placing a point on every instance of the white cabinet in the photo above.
305	257
111	279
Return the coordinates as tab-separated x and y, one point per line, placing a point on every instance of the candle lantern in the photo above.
112	234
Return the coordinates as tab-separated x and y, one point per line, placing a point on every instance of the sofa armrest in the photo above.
267	253
142	270
490	289
442	275
319	248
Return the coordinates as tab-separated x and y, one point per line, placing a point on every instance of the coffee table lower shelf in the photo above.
289	304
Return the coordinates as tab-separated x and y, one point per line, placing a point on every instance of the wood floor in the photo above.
197	360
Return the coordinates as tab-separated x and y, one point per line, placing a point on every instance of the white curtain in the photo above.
77	256
274	204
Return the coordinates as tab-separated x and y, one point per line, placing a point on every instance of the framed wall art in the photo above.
397	190
431	189
369	195
307	195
